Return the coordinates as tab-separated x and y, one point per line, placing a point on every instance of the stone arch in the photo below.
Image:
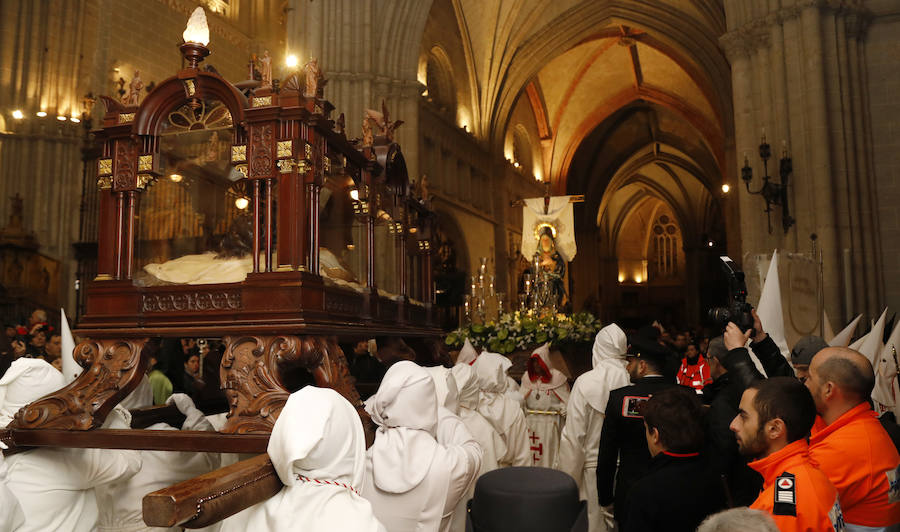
683	39
440	80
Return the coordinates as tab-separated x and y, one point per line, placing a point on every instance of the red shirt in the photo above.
859	458
694	375
798	496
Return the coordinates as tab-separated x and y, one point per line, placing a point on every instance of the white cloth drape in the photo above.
560	215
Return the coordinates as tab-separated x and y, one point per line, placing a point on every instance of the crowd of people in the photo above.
665	432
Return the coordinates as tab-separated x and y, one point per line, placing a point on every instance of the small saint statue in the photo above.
368	138
265	68
134	90
313	77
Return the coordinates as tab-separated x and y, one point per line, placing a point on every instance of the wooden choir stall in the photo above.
241	212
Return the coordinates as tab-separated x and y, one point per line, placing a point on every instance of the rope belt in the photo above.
545	412
329	482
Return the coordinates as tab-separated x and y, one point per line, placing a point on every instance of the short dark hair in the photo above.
849	376
787	399
678	416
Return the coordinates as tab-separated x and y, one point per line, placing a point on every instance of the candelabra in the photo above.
483	302
772	193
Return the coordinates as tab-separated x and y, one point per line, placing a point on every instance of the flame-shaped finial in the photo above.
197	30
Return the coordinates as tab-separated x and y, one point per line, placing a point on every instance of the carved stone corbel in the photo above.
113	369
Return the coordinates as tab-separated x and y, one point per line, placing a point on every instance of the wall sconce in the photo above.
773	193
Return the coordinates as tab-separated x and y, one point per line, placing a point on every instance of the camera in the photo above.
737	310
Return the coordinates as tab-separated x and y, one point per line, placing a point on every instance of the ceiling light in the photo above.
242	203
18	114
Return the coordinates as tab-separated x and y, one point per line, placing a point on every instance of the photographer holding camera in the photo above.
733	371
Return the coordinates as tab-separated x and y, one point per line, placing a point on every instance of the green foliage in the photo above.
526	330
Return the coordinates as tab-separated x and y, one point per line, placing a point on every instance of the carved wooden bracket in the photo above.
253	385
113	369
249	375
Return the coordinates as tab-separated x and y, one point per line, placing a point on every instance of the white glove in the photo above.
193	417
183	402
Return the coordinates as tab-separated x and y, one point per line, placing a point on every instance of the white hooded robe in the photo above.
55	485
580	438
413	480
318	450
551	396
504	414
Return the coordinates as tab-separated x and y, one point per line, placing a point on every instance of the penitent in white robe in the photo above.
482	431
545	408
55	486
580	439
504	414
11	515
120	503
318	450
416	474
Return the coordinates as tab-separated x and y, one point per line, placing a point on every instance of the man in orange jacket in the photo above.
849	444
773	420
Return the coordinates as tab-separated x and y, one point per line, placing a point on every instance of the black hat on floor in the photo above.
525	499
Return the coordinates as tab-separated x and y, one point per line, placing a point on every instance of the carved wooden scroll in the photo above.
113	369
250	377
253	385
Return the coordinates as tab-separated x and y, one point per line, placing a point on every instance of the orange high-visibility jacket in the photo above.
859	458
797	495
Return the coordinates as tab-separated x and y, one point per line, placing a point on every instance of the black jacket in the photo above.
623	439
676	494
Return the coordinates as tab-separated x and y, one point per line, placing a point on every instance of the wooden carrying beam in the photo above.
150	440
209	498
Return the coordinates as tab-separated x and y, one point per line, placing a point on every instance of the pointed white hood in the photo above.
405	410
608	374
467	354
490	374
468	394
842	339
828	332
769	309
871	347
318	450
886	388
70	368
26	380
445	387
555	381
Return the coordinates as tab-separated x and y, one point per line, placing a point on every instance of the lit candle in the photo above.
764	136
784	148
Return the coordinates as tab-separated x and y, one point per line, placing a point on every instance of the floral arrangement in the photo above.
526	330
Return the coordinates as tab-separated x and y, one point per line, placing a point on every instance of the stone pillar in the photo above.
799	72
42	70
368	51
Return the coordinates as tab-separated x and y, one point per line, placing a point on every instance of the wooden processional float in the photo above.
242	212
